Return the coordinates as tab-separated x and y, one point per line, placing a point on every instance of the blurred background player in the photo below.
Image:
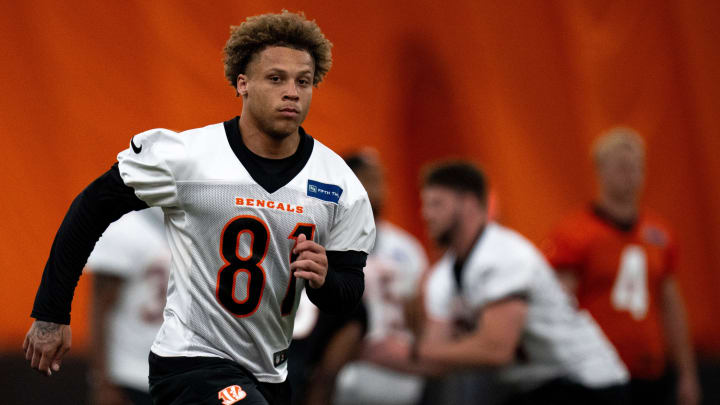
619	260
493	301
392	275
331	359
130	267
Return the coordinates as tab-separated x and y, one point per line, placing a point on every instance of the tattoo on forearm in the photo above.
46	331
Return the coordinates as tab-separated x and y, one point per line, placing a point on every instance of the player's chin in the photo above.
441	236
283	129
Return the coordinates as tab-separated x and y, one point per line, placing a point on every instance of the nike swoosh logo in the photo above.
136	149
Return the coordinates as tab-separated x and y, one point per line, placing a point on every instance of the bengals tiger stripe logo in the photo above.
231	394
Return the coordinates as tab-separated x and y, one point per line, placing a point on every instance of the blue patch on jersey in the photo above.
325	192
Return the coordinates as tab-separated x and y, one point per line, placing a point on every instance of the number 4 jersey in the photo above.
620	270
232	219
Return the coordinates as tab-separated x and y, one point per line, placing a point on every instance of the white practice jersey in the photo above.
230	293
135	249
392	276
558	340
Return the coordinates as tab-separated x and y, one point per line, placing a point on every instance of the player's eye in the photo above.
275	78
304	82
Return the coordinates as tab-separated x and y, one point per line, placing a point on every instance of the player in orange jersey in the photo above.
619	261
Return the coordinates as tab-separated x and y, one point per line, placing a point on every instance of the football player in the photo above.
392	278
130	266
493	301
252	205
337	369
619	261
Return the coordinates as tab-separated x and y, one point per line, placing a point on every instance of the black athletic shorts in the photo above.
209	381
135	396
562	391
660	391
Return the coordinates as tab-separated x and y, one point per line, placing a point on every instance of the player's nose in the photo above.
291	92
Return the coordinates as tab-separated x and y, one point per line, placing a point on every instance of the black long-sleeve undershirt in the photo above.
344	283
104	201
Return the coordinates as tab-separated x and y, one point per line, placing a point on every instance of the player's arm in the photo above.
341	349
104	201
400	352
493	343
335	280
676	332
105	291
412	297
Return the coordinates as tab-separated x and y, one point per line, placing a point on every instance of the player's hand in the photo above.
688	390
311	263
392	349
45	346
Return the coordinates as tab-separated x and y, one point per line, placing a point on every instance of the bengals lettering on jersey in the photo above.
252	202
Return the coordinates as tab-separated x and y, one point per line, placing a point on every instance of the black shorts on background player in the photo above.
660	391
562	391
211	381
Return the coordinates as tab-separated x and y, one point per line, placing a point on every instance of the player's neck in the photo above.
620	209
264	145
466	237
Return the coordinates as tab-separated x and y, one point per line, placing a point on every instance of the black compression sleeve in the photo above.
344	283
104	201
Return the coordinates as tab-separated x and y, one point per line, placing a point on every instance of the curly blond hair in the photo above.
285	29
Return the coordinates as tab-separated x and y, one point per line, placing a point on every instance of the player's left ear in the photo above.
242	85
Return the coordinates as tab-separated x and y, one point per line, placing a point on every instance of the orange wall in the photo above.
521	89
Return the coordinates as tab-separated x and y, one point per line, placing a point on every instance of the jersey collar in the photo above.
604	216
270	174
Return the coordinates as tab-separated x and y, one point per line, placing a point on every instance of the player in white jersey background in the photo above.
251	205
392	278
493	301
130	266
337	366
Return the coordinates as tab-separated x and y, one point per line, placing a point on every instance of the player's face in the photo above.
441	210
277	90
622	173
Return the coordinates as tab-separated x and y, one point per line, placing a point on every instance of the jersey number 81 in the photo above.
251	265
